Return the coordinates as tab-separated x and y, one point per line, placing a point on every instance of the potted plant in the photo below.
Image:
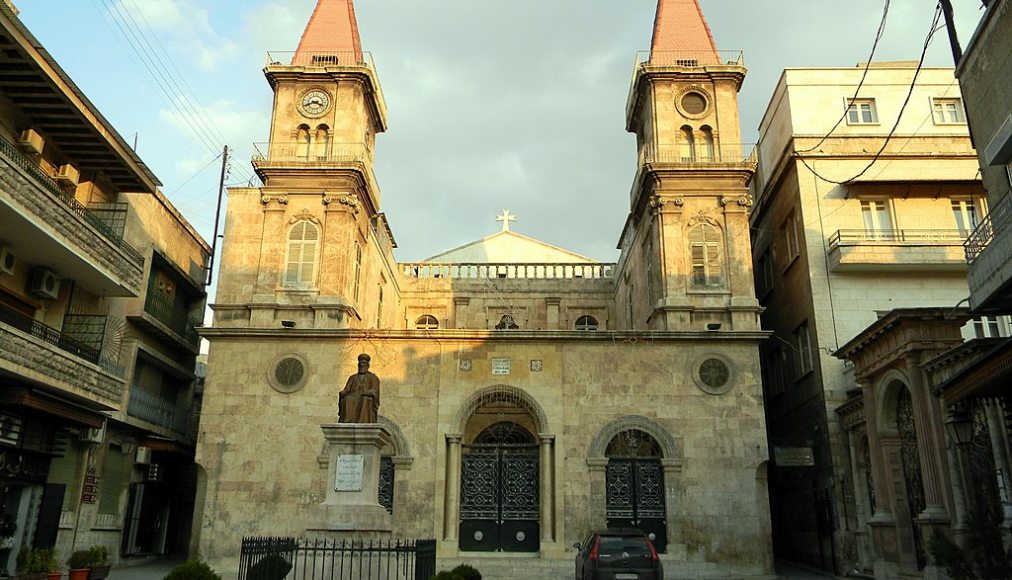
99	563
35	563
79	564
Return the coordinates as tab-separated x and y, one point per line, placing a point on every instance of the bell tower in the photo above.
309	246
686	242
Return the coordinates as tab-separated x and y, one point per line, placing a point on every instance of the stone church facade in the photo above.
533	394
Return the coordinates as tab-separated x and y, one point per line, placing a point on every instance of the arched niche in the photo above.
502	394
670	451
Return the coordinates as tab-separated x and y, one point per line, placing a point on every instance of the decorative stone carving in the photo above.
742	200
703	218
304	215
267	198
349	201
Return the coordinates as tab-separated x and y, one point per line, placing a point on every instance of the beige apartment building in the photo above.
101	290
620	393
839	241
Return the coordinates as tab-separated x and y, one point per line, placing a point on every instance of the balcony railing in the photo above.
996	220
326	155
320	59
41	179
423	270
178	320
690	59
154	409
33	327
701	155
930	237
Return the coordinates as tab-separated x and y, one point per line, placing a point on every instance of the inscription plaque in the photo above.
349	472
500	366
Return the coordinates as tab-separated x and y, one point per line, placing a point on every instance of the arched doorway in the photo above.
499	482
910	456
634	482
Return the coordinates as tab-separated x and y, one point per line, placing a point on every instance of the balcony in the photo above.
158	411
896	250
172	321
989	252
738	155
46	225
47	356
301	156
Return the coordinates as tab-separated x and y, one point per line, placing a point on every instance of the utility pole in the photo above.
217	217
957	52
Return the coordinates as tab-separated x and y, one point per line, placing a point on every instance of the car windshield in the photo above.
617	544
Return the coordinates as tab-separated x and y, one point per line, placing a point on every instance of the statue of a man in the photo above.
360	399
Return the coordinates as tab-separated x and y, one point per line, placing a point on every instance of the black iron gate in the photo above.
499	499
635	498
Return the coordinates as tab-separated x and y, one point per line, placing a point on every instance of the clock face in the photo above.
315	102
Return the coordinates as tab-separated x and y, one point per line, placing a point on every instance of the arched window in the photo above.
302	139
688	145
708	151
507	323
586	322
705	249
427	322
321	143
303	240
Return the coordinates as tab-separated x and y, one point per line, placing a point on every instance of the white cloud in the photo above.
184	24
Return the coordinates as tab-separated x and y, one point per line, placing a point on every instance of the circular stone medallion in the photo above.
713	374
288	373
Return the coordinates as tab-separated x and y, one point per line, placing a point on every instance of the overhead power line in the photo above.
864	75
910	93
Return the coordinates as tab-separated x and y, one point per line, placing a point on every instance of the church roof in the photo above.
332	29
681	27
508	247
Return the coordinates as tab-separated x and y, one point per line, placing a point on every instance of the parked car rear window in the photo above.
617	545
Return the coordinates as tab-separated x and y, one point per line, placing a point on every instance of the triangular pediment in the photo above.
509	248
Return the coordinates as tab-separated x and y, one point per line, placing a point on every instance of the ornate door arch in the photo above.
499	491
635	486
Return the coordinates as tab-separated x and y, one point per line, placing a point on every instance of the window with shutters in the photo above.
64	469
114	479
303	243
705	249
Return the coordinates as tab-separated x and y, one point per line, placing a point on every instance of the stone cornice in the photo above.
481	335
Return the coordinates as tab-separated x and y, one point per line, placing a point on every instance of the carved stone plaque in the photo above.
500	366
349	473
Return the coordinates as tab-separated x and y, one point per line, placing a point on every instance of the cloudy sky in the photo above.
513	104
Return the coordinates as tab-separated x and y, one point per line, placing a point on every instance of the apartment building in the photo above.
859	211
101	291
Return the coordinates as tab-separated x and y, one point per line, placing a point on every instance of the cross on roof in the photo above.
505	217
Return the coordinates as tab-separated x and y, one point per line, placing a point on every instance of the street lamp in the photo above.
958	425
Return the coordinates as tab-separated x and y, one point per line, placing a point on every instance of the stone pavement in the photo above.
158	571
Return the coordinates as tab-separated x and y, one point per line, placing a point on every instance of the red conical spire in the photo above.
680	27
332	31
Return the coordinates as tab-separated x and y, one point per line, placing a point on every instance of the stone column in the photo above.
552	314
861	500
957	471
272	248
451	514
996	428
547	491
597	467
930	443
883	503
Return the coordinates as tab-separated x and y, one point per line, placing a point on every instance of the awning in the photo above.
19	396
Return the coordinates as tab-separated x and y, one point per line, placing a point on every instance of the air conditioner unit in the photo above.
68	174
155	473
10	429
44	284
32	142
91	435
7	260
143	456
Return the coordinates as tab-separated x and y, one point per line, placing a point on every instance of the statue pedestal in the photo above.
352	501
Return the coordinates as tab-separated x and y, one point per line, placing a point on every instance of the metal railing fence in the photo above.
265	558
27	325
159	411
996	220
930	237
177	319
18	159
701	154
